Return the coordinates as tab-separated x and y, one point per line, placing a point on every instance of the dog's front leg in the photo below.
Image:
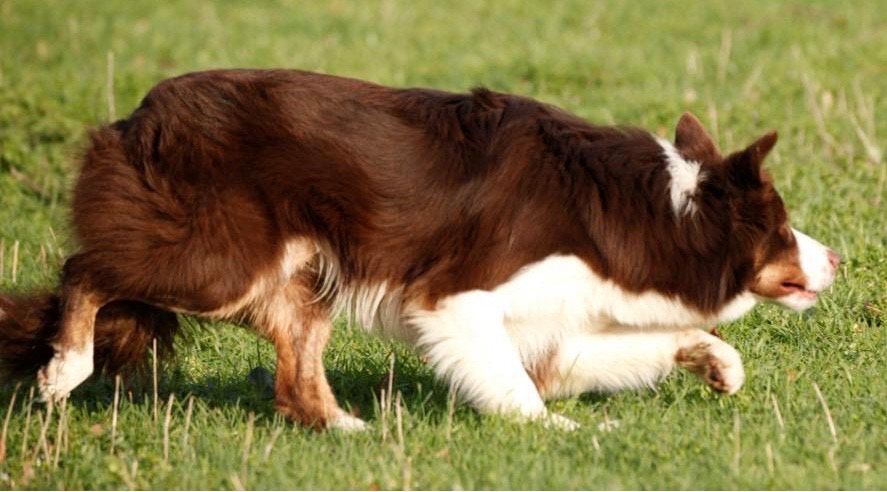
614	361
712	359
465	340
605	363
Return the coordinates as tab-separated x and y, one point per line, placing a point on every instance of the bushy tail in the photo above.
124	331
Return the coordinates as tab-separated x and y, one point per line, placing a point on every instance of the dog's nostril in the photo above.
834	259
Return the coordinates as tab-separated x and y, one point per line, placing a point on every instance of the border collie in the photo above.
525	253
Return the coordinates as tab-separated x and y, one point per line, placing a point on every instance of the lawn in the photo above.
813	413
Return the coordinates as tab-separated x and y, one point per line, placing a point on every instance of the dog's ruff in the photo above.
525	253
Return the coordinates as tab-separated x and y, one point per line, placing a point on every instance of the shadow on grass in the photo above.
358	388
357	391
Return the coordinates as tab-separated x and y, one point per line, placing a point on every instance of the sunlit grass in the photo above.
812	70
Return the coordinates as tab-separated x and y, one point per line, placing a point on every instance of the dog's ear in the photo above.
745	168
693	142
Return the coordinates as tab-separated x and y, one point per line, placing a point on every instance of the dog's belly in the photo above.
560	297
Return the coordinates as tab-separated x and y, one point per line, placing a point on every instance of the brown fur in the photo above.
189	204
125	330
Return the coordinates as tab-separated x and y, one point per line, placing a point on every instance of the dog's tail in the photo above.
124	331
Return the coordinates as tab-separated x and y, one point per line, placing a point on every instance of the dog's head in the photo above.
786	266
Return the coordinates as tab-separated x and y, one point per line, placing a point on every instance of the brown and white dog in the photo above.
525	253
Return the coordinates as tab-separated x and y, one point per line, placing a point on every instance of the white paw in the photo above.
559	422
347	423
63	373
725	372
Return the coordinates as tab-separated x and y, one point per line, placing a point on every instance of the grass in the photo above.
812	414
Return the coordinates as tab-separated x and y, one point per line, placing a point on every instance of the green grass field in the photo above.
813	70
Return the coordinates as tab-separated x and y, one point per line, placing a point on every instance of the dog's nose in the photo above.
834	259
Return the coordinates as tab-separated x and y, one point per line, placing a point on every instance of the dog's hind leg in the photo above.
72	361
299	326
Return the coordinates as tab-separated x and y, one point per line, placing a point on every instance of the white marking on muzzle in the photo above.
814	260
818	270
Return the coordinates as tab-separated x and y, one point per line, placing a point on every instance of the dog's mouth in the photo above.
796	296
792	288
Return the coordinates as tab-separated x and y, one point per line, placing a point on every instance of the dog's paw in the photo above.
717	363
50	383
724	372
347	423
559	422
62	374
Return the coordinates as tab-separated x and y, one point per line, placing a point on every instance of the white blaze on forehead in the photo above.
814	260
685	176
